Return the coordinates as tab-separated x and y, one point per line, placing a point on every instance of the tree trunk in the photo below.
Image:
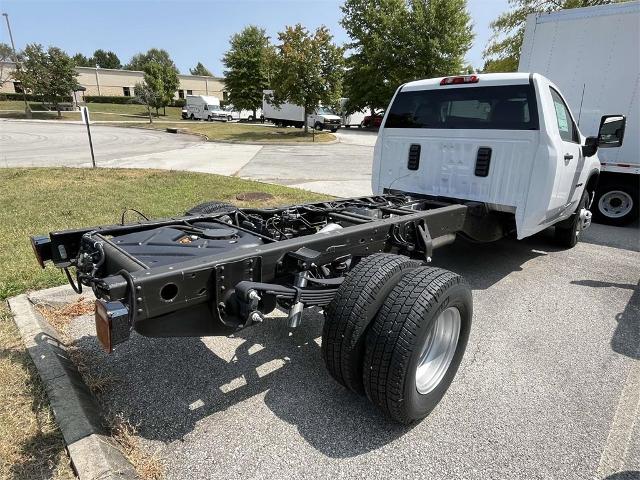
255	114
149	112
157	112
164	110
306	127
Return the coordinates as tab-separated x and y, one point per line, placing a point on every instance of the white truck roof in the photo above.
208	99
486	79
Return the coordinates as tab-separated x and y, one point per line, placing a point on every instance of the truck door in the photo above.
570	161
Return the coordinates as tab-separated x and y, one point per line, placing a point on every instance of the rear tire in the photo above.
215	206
616	204
416	343
353	308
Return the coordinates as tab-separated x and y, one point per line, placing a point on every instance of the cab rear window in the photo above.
510	107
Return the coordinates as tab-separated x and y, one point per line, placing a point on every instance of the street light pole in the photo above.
27	111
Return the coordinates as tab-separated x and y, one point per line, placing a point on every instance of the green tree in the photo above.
158	55
81	61
163	81
308	69
50	74
396	41
248	62
200	69
144	95
6	55
502	54
106	59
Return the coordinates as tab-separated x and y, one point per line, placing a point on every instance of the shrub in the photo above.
179	102
30	97
108	99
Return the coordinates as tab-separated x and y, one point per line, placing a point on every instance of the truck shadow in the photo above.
626	337
166	386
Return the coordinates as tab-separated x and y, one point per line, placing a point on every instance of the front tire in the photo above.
616	204
568	231
351	311
318	126
416	343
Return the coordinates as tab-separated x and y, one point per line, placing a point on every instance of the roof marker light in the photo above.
459	80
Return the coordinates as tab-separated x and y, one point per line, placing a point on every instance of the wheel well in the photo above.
592	184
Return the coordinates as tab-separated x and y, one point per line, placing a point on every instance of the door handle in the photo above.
568	156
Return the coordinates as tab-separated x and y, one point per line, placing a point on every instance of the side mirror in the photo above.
590	146
611	132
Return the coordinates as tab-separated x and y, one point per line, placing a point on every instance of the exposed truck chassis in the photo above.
219	268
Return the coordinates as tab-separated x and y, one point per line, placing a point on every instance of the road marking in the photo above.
626	415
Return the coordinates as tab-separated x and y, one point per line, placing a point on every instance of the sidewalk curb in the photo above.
93	454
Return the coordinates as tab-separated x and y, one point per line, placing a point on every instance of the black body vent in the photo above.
483	160
414	157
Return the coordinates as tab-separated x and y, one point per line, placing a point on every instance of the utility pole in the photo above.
27	110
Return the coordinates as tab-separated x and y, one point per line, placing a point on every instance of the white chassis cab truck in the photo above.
507	142
292	115
203	107
480	156
562	46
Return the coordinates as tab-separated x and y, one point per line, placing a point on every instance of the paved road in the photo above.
549	387
339	169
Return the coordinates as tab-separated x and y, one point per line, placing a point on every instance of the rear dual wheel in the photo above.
398	331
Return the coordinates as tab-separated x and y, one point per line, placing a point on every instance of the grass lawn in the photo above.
98	111
37	201
243	132
240	132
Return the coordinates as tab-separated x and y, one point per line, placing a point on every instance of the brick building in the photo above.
120	83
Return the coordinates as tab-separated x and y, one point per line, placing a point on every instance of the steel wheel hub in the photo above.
615	204
438	350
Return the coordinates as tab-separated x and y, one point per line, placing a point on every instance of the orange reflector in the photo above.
112	324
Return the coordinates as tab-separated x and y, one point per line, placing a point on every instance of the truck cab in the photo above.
507	142
324	119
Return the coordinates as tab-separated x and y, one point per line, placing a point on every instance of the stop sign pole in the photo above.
84	111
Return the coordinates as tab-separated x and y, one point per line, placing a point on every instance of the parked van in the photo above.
203	107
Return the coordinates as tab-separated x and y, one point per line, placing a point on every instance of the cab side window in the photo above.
566	127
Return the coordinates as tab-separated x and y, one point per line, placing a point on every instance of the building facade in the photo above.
120	83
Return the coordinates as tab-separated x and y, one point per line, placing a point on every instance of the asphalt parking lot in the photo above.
341	169
549	386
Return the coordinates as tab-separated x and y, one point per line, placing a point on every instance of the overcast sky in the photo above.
191	31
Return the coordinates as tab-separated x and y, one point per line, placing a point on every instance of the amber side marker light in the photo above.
112	324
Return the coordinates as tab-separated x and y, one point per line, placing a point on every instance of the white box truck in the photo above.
204	107
354	119
289	114
592	55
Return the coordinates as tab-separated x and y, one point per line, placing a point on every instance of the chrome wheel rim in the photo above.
438	350
615	204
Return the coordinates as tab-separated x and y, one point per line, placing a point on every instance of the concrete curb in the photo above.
181	131
93	454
